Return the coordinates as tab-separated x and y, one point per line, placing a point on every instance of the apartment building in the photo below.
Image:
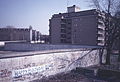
11	33
77	27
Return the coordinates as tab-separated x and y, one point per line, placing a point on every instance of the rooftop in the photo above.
74	14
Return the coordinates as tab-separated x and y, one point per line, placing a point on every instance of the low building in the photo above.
44	38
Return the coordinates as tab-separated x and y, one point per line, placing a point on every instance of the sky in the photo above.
23	13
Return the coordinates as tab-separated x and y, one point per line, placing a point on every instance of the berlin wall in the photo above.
21	46
28	68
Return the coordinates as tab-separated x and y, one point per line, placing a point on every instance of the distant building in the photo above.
77	27
44	38
35	35
11	33
38	36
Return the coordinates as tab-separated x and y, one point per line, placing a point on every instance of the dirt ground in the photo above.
69	77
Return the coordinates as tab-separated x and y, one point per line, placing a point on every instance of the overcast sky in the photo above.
23	13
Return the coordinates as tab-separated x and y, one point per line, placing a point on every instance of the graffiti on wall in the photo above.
31	70
5	73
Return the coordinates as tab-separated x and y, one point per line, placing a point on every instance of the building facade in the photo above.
77	27
45	39
11	33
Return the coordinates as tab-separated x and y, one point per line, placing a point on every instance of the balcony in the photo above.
101	23
100	44
101	27
101	38
101	16
100	35
101	41
63	31
101	32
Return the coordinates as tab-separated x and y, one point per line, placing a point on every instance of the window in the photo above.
63	31
63	41
63	36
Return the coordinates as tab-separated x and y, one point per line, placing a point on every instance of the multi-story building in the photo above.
77	27
11	33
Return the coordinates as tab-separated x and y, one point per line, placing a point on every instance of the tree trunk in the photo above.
119	48
119	56
101	51
108	57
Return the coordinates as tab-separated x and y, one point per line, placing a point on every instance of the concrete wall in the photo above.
40	47
28	68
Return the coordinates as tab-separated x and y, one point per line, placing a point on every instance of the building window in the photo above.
69	33
63	31
75	25
63	26
63	20
63	36
63	41
76	19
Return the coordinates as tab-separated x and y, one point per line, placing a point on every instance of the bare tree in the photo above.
110	7
117	15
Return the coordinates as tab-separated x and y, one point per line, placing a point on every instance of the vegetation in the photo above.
112	24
